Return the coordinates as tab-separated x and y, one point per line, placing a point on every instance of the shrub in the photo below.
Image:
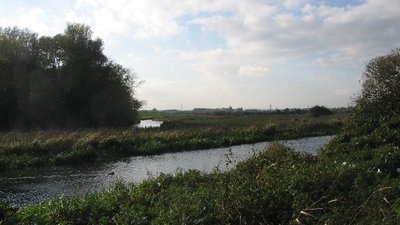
320	111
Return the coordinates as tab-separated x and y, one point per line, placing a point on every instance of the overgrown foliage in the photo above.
319	111
63	81
372	132
46	148
278	186
371	137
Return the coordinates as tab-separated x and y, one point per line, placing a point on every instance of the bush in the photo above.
320	111
378	105
372	132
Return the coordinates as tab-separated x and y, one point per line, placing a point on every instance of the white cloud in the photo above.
259	25
141	19
342	92
250	70
33	18
349	34
292	3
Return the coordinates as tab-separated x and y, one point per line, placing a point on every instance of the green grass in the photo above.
165	116
46	148
191	120
279	186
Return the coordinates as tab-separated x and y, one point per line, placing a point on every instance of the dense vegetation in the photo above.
355	180
278	187
45	148
372	132
319	111
63	81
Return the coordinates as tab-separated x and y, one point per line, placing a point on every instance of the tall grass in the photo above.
44	148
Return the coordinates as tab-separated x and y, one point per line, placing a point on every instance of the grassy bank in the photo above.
46	148
278	186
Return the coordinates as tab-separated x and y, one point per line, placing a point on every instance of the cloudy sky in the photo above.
239	53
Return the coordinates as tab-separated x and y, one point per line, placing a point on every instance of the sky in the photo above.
220	53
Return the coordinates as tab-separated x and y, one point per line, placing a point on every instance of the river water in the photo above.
37	185
149	123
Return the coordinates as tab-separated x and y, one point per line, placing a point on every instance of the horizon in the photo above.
247	53
242	108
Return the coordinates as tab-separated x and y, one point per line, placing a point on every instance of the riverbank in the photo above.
278	186
47	148
30	186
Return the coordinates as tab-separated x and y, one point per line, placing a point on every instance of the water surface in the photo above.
149	123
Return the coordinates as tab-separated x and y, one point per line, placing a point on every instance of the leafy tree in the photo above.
378	104
380	92
319	111
17	68
372	132
62	81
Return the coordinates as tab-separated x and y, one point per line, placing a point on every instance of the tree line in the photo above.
64	81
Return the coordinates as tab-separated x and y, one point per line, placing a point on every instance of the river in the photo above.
149	124
24	187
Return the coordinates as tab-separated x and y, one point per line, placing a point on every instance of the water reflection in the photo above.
149	123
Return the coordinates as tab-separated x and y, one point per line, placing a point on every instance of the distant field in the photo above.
192	120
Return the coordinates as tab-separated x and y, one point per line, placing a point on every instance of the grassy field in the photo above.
179	133
192	120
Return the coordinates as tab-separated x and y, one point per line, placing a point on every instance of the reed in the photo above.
46	148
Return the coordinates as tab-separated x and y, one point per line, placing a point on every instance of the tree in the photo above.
18	65
62	81
380	89
378	104
372	132
319	111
